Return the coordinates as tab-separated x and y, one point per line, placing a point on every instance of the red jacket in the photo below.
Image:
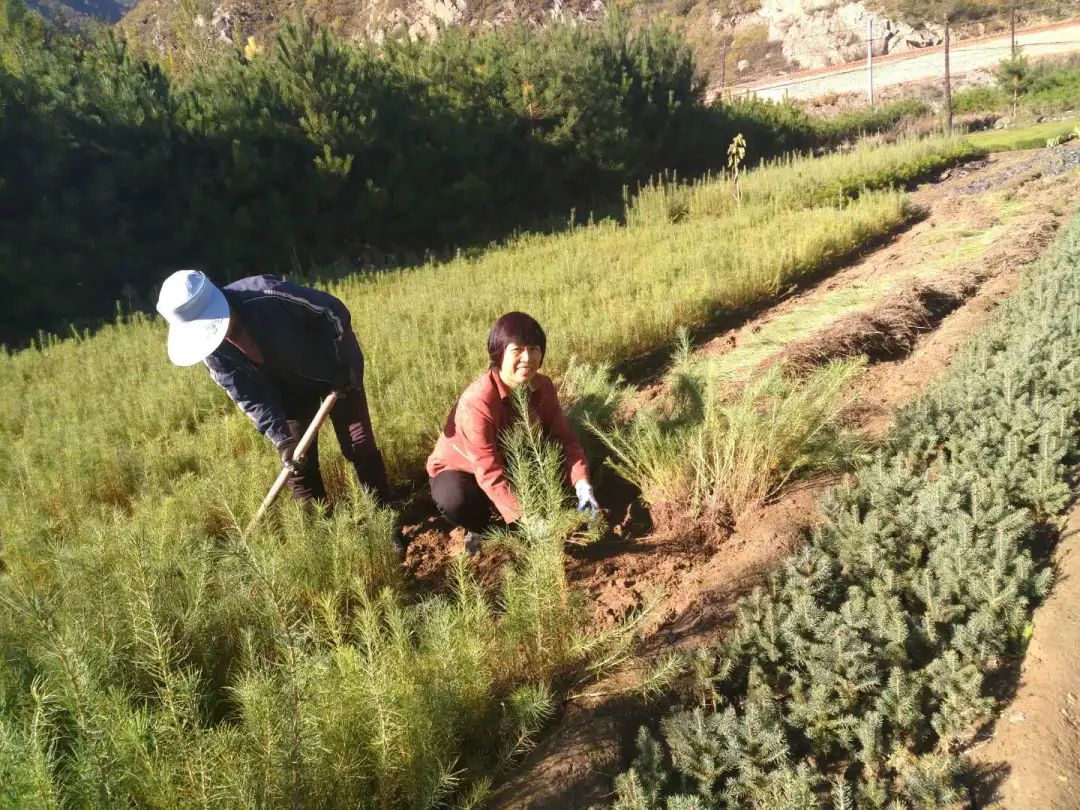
469	442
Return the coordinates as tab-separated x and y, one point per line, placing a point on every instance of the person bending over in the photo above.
278	349
467	468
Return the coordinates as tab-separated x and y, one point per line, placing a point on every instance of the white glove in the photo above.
586	501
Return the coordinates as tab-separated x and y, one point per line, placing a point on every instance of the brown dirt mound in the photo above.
887	331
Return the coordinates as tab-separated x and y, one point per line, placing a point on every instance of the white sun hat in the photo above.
198	316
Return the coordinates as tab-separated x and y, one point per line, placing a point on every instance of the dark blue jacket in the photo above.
306	339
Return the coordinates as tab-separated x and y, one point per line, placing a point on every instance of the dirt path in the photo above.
983	223
1032	757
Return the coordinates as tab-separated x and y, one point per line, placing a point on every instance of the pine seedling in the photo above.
841	794
528	708
26	761
717	446
736	153
630	794
930	782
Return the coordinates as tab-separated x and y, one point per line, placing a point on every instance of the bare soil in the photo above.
1030	757
696	578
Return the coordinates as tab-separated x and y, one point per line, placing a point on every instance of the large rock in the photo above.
815	33
416	19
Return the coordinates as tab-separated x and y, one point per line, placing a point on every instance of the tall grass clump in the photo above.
712	446
859	674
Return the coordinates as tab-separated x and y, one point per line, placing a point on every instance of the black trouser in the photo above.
461	500
352	424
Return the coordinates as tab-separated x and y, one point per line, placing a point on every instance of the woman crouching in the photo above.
468	468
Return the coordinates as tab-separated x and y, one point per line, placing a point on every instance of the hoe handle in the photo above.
301	449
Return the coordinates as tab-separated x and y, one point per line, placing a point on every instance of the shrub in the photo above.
114	171
855	676
716	446
979	99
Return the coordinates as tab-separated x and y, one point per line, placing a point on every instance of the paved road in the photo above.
923	64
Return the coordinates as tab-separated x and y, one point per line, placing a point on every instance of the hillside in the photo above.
106	10
732	40
750	35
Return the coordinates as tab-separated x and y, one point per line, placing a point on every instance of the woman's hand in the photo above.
586	500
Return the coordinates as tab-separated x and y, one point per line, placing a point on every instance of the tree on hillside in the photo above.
1014	75
947	13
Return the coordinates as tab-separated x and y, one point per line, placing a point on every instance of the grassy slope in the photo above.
606	293
122	479
1025	138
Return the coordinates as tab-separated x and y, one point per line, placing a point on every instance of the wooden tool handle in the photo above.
298	453
313	429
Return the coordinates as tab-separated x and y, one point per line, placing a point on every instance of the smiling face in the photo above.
520	364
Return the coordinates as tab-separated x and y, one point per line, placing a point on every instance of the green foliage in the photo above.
1014	75
145	660
868	653
1043	88
20	32
113	171
718	445
1023	138
980	99
150	660
797	182
880	118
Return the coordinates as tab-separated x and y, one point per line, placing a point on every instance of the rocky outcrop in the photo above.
417	19
815	33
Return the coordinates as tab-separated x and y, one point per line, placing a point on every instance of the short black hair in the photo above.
514	327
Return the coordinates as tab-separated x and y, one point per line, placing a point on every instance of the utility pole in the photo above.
948	82
1012	30
870	60
723	72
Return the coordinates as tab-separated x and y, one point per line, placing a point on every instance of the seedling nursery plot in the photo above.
151	659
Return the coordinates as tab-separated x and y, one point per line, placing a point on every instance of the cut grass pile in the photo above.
145	660
1006	140
856	678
